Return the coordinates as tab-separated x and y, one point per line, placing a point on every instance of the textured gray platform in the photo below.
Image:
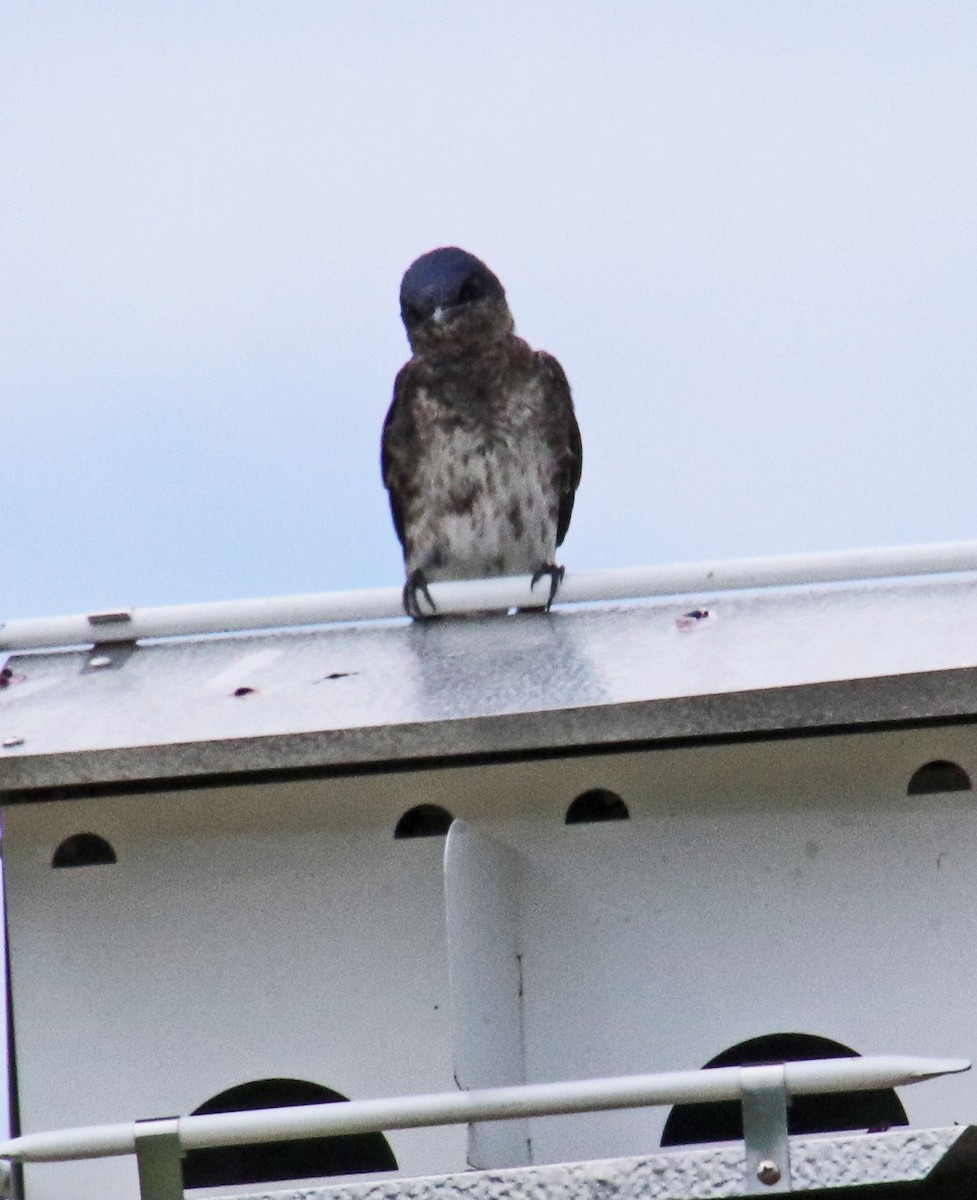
780	659
898	1156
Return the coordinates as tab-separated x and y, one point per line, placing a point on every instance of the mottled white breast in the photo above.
486	501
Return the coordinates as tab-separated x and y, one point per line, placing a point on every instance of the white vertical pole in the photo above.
481	887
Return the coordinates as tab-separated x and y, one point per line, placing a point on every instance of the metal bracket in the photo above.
117	616
765	1129
158	1156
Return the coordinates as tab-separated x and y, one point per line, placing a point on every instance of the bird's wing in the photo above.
563	436
398	454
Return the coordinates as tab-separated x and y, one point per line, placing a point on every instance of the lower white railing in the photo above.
763	1091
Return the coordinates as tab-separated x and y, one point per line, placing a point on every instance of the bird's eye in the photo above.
471	289
412	314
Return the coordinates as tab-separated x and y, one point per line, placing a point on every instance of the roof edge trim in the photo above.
858	706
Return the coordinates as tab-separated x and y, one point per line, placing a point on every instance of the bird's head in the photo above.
449	300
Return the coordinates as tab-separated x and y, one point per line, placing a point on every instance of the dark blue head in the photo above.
443	281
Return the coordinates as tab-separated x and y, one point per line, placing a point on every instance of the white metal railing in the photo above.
159	1144
325	608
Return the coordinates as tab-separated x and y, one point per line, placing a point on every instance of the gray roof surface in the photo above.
789	658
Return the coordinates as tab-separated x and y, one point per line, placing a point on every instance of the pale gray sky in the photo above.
746	229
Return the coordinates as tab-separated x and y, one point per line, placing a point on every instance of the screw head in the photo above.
99	662
768	1172
9	742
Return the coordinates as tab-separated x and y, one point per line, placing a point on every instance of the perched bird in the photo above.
481	452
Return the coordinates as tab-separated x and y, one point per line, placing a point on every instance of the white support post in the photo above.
158	1157
481	886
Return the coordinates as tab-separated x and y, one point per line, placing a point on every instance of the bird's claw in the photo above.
415	587
556	578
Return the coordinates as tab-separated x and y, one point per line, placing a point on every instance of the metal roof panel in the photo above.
788	657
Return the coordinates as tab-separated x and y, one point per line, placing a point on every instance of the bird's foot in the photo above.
414	588
556	578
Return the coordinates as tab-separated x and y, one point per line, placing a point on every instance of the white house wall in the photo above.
280	930
241	935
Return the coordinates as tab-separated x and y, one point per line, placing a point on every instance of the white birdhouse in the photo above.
382	860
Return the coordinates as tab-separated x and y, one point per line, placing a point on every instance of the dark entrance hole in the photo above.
598	804
938	776
424	820
83	850
690	1124
267	1162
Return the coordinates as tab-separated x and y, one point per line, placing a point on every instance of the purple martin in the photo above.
481	452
